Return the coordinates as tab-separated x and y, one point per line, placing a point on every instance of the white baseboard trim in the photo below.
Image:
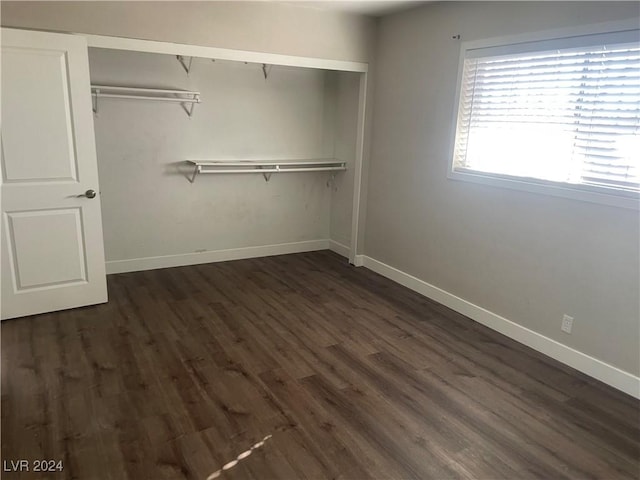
339	248
582	362
344	250
180	260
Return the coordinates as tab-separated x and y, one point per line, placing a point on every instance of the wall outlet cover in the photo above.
567	324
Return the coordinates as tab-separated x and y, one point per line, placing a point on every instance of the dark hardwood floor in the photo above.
353	376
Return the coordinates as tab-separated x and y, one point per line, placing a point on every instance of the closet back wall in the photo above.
150	209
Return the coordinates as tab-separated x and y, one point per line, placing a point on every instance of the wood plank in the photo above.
352	375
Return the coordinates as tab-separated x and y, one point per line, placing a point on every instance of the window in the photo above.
559	115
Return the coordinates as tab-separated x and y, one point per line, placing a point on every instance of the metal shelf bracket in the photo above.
331	182
266	71
267	176
186	65
188	106
196	170
94	100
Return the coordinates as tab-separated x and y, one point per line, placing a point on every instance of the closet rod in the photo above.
141	97
266	168
142	89
258	163
272	170
186	98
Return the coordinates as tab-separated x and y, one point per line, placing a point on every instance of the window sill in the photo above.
584	193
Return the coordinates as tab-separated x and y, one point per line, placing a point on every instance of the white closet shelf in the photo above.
267	167
184	97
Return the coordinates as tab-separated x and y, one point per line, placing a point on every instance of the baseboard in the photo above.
342	249
167	261
582	362
339	248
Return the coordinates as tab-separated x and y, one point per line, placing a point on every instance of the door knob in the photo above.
89	194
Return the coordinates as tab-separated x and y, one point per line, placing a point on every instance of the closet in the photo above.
277	143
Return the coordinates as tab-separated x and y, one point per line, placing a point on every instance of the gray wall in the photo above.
258	26
149	207
527	257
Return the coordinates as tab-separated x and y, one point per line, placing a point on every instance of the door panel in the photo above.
62	250
52	246
43	74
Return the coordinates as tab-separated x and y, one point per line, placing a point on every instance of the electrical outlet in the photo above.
567	324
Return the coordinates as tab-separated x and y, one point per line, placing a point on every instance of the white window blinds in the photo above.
561	111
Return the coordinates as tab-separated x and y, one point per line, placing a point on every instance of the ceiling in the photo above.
363	7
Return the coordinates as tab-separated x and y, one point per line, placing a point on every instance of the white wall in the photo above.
527	257
272	27
151	209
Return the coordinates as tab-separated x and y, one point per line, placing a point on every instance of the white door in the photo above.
51	228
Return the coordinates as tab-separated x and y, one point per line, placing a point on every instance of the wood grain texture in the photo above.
354	376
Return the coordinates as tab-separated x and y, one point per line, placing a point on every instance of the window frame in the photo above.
581	192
